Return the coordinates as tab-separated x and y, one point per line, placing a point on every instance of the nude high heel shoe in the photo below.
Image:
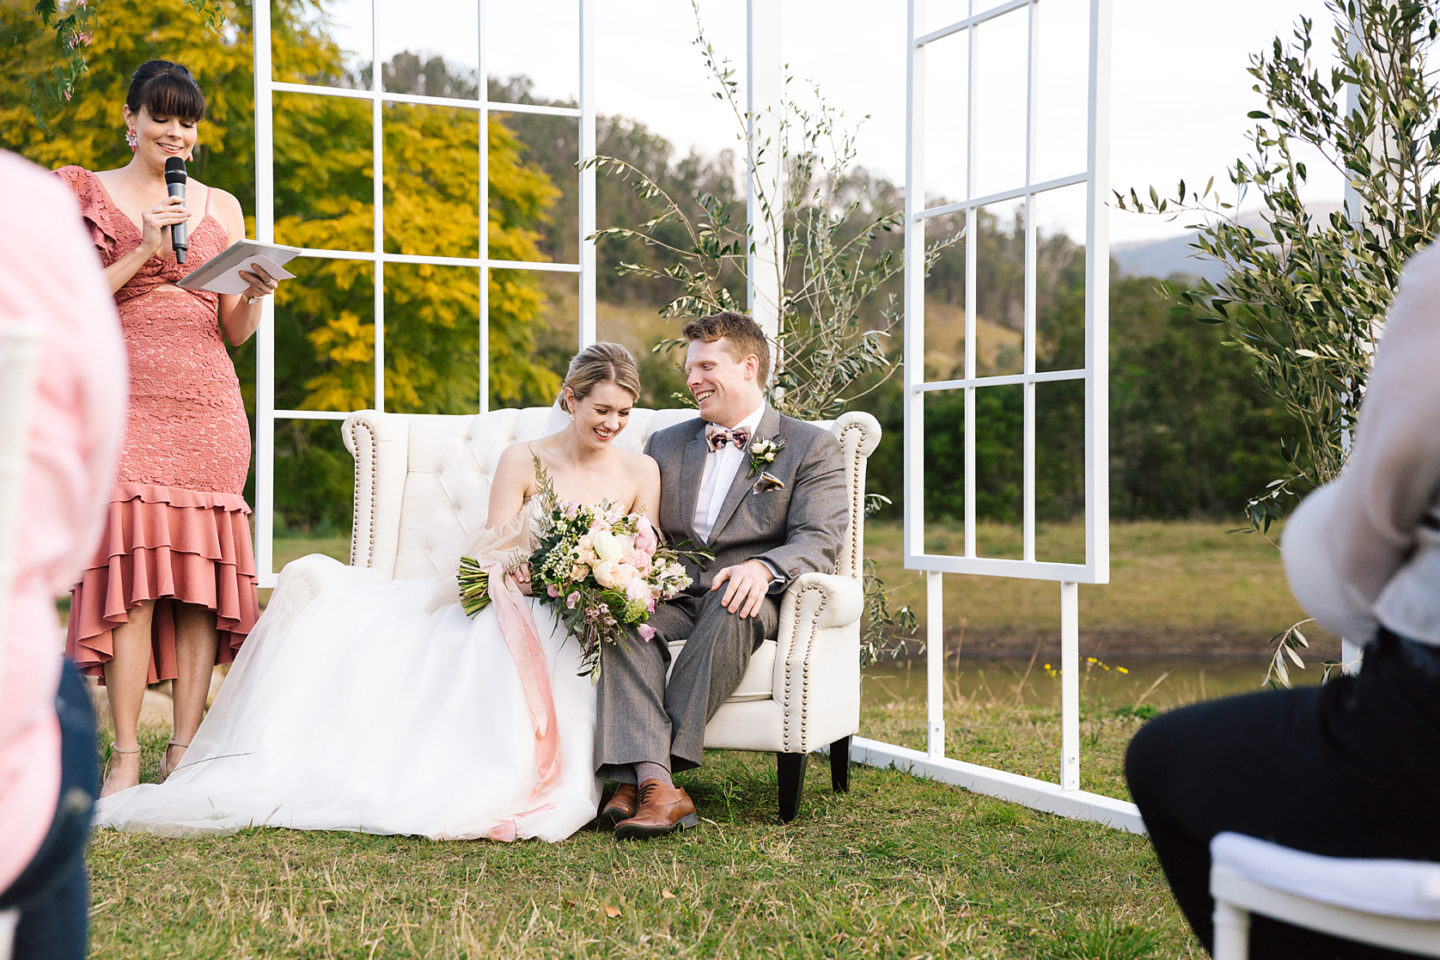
165	768
105	774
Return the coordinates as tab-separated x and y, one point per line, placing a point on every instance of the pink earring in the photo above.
131	139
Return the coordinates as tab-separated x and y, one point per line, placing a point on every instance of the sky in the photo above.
1180	92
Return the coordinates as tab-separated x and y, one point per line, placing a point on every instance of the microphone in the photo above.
175	178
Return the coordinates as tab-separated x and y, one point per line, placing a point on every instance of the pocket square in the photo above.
766	483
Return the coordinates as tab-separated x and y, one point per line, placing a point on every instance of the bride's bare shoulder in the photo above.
517	463
641	465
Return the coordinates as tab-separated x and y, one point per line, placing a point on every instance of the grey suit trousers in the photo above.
642	718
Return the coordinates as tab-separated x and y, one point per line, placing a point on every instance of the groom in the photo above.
766	495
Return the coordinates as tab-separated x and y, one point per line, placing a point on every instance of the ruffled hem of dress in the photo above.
178	496
166	543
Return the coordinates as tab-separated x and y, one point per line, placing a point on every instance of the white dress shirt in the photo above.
720	468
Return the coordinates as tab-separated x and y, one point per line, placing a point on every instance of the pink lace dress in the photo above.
178	527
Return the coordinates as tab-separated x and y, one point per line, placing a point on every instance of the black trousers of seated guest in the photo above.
1349	769
52	892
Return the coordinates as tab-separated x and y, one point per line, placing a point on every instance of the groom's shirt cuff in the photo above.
778	580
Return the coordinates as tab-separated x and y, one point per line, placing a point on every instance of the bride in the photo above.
368	709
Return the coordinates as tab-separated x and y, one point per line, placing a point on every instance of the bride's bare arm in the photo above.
513	482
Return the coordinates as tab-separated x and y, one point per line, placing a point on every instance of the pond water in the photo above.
1160	682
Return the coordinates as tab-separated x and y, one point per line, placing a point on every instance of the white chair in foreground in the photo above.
1387	903
422	487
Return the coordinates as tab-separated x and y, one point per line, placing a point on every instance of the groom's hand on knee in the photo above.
746	585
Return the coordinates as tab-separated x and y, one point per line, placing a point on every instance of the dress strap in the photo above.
209	191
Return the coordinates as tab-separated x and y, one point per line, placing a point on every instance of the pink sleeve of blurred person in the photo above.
50	279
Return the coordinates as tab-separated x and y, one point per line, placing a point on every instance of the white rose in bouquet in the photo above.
608	546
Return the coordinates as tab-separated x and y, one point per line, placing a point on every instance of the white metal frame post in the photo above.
587	175
1064	797
265	334
764	162
584	268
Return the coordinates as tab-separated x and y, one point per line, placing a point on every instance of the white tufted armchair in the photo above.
422	487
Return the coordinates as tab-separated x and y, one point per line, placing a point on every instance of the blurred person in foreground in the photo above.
1350	768
48	776
170	589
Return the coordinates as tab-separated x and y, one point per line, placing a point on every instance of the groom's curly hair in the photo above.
742	335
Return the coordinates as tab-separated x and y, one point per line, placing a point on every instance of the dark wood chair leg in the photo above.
840	765
791	768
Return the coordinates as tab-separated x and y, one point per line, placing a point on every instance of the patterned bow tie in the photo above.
716	437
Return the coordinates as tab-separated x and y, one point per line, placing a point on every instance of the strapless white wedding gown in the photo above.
361	710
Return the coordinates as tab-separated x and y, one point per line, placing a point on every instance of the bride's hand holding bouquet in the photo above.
601	568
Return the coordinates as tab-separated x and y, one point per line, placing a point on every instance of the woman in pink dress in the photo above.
170	591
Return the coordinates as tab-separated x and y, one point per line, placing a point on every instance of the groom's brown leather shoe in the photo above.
621	806
662	810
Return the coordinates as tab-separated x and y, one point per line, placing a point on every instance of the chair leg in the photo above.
791	768
1231	932
840	765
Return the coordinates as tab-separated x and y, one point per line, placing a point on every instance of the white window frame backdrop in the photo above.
764	81
266	86
1066	797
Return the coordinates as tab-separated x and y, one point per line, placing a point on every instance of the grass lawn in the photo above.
1166	579
898	867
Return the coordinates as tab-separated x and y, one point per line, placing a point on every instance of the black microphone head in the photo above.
175	170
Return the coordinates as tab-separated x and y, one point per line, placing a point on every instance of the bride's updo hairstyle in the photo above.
600	363
166	90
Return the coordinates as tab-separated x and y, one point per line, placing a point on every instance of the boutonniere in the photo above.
763	453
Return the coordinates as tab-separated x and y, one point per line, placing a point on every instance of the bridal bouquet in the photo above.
601	569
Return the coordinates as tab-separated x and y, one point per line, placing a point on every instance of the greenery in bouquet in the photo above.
602	569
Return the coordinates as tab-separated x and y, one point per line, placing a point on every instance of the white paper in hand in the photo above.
232	282
222	273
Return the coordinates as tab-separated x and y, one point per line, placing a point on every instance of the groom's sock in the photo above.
653	771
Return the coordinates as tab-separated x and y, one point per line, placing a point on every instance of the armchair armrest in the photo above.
379	443
817	661
300	582
822	599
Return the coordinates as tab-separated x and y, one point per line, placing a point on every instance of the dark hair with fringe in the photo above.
165	89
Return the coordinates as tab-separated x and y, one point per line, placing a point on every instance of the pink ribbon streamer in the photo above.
517	626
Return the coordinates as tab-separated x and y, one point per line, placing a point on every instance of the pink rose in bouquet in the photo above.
646	542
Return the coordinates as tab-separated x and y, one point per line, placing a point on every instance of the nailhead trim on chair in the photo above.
355	503
804	666
857	496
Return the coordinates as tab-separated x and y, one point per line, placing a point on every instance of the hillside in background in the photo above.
1176	255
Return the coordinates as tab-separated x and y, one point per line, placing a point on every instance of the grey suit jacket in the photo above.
798	529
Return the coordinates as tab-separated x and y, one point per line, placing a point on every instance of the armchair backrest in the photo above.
422	482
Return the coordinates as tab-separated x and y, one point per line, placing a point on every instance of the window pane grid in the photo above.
1094	568
391	96
392	262
538	266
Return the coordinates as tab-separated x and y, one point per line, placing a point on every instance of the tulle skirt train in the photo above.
359	710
